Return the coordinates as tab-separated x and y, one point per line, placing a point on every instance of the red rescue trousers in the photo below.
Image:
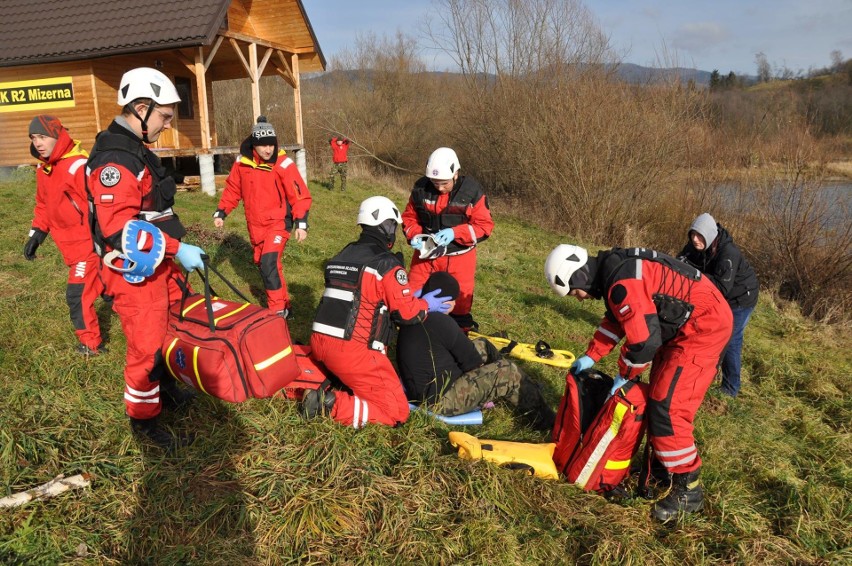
377	397
84	286
143	310
267	256
682	371
462	267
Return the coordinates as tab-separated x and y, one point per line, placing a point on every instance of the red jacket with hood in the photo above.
274	194
61	205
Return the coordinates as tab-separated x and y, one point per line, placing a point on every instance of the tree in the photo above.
715	80
764	69
836	61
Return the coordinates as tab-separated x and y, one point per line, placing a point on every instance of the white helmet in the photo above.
144	82
375	210
443	164
561	264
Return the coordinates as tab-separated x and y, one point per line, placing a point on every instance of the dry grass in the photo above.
260	486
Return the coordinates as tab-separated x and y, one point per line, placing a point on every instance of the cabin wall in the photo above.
80	119
95	90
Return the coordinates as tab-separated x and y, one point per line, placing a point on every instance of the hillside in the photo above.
628	72
260	486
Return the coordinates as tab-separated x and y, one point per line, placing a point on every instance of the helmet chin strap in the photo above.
144	121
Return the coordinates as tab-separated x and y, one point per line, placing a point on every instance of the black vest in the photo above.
115	146
465	192
672	299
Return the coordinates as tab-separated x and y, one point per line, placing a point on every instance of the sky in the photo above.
704	34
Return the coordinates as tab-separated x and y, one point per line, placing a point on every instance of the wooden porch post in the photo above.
255	81
297	98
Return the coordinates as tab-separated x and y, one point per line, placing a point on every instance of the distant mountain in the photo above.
626	71
639	74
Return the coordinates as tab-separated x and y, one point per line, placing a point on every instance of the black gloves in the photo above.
219	214
36	238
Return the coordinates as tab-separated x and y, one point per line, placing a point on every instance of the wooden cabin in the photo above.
66	58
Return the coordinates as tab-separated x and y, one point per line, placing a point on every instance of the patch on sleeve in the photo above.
401	277
110	176
624	312
617	294
107	199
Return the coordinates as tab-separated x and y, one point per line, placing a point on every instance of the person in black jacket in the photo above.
441	367
712	250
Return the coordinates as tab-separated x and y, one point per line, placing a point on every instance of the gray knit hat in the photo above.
706	226
46	125
263	133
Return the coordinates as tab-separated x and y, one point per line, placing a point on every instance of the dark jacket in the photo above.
724	264
432	355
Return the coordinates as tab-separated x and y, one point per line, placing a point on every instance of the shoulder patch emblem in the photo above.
110	176
401	277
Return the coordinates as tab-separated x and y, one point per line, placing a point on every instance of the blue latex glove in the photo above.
581	364
189	257
418	292
444	237
417	244
436	303
617	384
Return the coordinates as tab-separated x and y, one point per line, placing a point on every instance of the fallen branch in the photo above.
58	485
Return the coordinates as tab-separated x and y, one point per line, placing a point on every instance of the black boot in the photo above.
150	429
660	476
318	402
173	396
685	496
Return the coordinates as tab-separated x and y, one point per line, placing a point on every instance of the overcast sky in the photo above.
705	34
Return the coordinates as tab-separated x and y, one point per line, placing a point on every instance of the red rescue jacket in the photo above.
651	300
274	195
61	207
464	209
339	153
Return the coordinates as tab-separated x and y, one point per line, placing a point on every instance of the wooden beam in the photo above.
264	43
284	70
262	65
189	63
95	98
255	83
201	89
297	100
242	57
213	51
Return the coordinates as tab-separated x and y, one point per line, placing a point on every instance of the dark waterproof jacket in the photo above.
432	355
723	263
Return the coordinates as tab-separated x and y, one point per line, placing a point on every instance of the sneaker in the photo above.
151	431
84	350
318	402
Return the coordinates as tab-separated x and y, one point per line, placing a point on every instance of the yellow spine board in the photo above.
534	458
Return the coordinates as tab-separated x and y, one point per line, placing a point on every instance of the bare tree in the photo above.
836	61
764	69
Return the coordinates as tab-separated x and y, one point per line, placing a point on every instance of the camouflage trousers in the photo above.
338	169
498	380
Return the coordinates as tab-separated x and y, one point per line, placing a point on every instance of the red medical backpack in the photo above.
596	435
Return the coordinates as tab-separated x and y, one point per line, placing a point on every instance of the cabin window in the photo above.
184	89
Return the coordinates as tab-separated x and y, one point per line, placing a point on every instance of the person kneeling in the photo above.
442	367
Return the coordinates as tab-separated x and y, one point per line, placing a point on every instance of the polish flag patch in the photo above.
107	198
624	311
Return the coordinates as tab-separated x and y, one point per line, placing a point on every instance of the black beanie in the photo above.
263	133
445	282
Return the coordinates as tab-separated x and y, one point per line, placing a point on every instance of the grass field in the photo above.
260	486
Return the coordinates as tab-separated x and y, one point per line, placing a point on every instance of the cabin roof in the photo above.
68	30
